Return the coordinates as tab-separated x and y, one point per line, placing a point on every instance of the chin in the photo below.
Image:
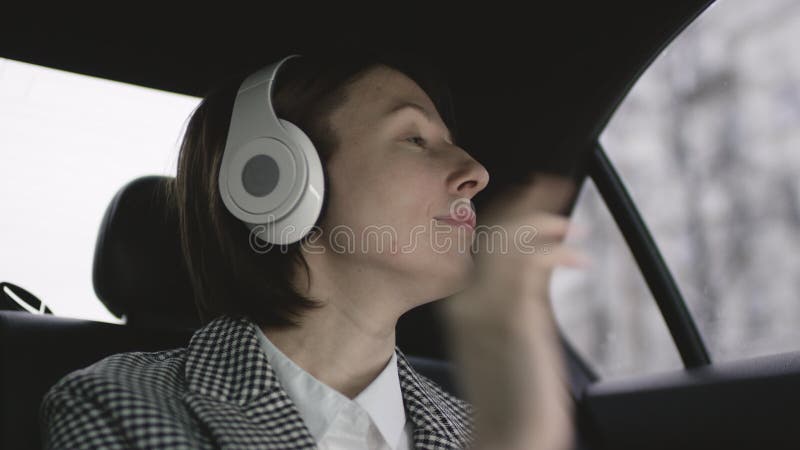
453	275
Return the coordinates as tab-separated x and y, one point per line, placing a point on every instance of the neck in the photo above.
347	342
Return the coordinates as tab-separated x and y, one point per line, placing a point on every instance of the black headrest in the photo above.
139	270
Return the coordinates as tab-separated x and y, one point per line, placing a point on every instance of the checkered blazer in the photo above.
219	392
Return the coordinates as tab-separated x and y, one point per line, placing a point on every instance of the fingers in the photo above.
543	193
538	225
550	193
535	233
549	226
565	255
549	223
547	256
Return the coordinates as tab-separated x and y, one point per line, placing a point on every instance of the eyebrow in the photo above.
403	105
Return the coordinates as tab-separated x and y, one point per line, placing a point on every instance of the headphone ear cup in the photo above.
300	221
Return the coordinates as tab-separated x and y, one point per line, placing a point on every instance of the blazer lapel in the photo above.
441	421
235	393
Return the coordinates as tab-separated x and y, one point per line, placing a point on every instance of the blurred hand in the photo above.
501	329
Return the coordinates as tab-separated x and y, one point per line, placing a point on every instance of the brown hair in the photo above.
227	275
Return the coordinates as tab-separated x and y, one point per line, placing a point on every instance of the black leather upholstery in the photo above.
37	350
138	264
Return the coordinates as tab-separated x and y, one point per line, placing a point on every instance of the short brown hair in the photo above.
227	275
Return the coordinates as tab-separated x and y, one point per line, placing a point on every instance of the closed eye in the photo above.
417	140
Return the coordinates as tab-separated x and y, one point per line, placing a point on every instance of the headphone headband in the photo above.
270	175
253	113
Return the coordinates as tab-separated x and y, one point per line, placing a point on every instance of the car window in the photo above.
606	311
69	142
707	143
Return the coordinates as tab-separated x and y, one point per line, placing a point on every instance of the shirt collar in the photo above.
383	401
319	404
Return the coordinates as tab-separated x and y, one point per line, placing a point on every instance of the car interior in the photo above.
555	73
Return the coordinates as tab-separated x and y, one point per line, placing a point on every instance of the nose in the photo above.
469	178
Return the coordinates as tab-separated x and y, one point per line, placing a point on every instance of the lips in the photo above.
469	220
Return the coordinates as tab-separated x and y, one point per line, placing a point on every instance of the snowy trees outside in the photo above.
708	145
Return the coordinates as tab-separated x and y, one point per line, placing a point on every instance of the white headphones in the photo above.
271	176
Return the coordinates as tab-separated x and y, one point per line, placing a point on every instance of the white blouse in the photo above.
375	419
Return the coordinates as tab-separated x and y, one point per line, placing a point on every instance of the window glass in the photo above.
606	311
68	143
708	144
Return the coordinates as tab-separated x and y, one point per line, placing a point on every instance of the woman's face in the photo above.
396	170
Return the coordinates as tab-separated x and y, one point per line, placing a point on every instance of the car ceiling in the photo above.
533	87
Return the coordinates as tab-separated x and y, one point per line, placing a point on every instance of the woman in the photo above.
298	344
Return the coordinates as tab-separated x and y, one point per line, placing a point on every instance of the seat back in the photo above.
37	350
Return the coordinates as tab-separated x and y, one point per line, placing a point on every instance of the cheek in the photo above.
397	194
409	202
398	189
